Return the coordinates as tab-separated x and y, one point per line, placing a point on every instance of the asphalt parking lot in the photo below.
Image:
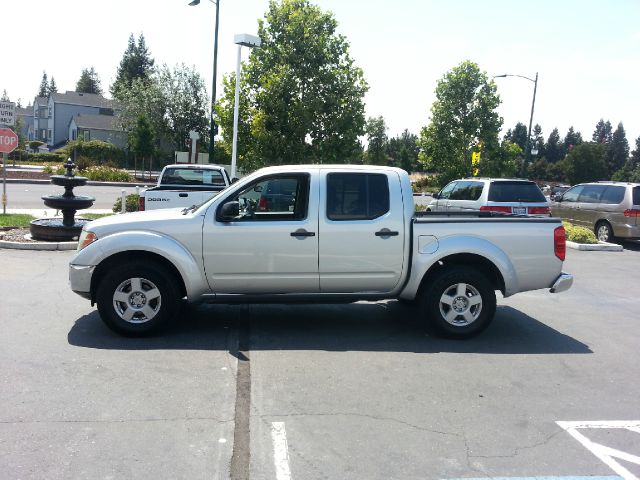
358	391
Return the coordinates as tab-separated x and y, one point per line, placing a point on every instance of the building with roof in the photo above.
52	116
25	117
97	127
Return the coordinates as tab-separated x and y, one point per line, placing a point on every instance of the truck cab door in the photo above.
271	246
362	231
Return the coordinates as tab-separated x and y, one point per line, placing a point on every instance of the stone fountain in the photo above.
68	227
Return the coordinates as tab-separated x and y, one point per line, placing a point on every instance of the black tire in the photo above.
471	294
603	231
146	294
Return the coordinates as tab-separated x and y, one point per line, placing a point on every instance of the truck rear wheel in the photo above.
137	299
459	302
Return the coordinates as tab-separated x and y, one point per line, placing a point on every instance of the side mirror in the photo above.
436	195
234	180
229	211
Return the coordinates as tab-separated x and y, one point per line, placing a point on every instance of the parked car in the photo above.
349	234
611	209
183	185
515	196
557	191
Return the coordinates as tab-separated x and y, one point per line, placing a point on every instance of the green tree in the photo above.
553	147
603	132
403	151
136	63
618	150
585	163
538	141
376	130
43	91
89	82
505	161
186	100
571	139
302	94
5	96
142	141
53	88
463	120
518	135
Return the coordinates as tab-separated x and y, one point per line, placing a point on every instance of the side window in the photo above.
571	195
357	196
613	195
274	198
475	190
591	193
445	193
461	192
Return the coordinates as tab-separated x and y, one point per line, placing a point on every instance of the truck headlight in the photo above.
86	239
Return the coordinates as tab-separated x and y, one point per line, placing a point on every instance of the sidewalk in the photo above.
51	212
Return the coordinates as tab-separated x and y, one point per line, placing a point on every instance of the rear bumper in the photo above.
562	283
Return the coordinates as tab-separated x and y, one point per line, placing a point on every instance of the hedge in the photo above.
579	234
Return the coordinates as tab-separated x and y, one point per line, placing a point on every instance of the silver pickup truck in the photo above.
183	185
315	233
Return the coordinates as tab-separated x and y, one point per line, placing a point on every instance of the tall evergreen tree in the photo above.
44	86
538	140
519	135
89	82
634	160
136	63
5	96
53	88
603	132
553	147
571	139
403	151
618	150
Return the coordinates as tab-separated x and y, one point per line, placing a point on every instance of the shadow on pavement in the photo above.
633	245
384	327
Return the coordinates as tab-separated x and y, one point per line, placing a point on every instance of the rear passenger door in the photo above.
361	232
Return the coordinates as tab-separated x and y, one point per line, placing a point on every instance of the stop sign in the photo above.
8	140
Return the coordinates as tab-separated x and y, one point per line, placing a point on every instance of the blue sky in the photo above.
587	53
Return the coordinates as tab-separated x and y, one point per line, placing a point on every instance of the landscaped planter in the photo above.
600	246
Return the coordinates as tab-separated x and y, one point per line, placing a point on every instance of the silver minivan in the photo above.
611	209
503	195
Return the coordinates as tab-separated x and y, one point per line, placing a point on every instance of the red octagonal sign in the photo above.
8	140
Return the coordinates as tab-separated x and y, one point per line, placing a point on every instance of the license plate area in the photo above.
519	210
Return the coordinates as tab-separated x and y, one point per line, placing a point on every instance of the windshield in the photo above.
515	192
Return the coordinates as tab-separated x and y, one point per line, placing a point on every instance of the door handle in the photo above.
183	194
301	232
385	232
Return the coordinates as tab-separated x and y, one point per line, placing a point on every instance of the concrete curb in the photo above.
595	247
49	246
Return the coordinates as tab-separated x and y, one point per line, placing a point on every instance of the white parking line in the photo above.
604	453
280	451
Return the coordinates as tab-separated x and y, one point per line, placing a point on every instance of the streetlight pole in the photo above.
242	40
527	148
213	129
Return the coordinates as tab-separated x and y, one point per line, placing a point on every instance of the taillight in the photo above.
539	211
485	208
560	243
632	213
262	205
141	204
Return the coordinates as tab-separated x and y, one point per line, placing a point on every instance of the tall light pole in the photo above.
214	129
527	149
242	40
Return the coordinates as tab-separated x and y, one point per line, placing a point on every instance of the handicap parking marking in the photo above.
604	453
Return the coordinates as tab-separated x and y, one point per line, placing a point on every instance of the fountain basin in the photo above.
54	230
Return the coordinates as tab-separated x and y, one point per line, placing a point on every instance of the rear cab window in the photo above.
193	176
515	191
357	196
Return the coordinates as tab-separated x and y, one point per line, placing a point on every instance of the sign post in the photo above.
8	143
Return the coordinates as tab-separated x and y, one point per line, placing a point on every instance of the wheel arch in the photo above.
130	256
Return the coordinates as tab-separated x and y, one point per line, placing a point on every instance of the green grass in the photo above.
20	220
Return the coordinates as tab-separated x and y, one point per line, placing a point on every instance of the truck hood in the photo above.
152	220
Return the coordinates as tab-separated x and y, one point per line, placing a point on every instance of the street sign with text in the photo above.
8	140
7	113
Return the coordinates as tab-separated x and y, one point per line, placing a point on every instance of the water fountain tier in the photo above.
67	228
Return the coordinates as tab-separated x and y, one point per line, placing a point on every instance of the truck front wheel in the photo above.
137	299
459	302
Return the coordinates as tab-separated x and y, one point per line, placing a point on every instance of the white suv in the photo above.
503	195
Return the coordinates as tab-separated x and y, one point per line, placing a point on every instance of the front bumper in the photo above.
562	283
80	279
